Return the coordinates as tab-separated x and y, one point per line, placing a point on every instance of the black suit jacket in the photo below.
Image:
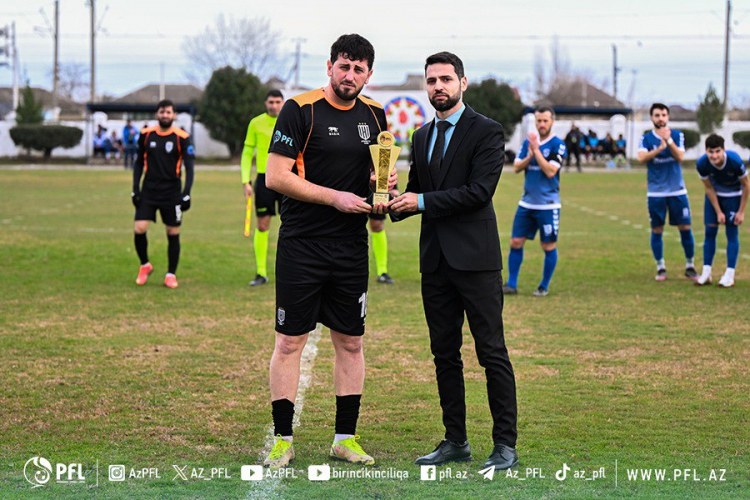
458	220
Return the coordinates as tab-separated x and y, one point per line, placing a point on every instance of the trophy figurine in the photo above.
384	155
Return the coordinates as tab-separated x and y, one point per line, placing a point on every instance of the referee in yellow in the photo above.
257	142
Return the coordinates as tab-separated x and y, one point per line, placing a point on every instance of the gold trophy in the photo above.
384	155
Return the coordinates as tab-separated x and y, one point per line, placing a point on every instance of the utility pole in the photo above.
56	67
297	57
727	32
615	70
14	48
92	81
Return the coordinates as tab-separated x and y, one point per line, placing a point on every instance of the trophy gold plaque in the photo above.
384	155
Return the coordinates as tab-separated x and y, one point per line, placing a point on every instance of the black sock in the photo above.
282	411
173	252
347	413
141	246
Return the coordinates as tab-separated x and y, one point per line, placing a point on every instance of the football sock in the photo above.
657	246
282	411
173	252
709	245
347	413
515	259
260	245
380	250
141	247
733	245
550	261
688	243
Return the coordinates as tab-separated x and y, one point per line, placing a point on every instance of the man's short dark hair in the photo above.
274	93
546	109
714	141
658	105
165	103
446	58
353	47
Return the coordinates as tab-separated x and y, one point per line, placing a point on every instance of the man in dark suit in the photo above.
455	166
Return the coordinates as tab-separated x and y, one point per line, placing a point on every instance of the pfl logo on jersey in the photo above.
38	472
278	136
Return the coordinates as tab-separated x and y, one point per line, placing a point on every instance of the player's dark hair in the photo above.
274	93
658	105
353	47
165	103
446	58
546	109
714	141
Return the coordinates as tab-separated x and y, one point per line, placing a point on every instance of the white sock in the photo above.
689	263
660	264
707	270
340	437
288	439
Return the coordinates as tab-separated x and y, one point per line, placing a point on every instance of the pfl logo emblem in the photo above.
37	471
278	136
281	315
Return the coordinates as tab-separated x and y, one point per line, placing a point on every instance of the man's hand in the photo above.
664	132
661	147
185	203
739	218
248	190
350	203
392	180
533	137
721	218
407	202
135	197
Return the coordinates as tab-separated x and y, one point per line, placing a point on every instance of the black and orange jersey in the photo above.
162	156
331	146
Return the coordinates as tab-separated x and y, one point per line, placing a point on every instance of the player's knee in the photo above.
173	230
287	345
657	230
548	246
264	223
683	227
348	345
140	226
376	225
517	242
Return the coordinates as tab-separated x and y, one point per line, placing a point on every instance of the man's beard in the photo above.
165	123
447	104
346	94
659	125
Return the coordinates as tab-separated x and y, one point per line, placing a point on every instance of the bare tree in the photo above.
241	43
73	81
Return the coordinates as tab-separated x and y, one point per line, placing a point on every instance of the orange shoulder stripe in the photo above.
370	102
309	97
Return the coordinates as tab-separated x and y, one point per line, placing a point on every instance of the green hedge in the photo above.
45	138
742	138
692	138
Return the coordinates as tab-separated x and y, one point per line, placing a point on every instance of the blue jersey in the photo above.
664	171
539	191
726	178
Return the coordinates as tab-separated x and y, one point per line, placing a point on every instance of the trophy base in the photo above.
381	198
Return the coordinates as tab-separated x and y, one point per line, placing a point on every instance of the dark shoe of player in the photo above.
259	280
540	292
691	273
385	278
509	290
446	451
503	457
661	274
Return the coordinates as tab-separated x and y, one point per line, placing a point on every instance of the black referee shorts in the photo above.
321	281
267	201
171	213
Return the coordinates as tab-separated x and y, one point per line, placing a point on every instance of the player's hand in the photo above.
248	190
407	202
350	203
662	146
185	203
136	199
533	137
739	218
380	208
393	180
664	132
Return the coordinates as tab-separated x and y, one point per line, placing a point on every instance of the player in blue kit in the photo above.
662	149
727	186
539	209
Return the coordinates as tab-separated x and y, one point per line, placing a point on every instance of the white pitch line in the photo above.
267	488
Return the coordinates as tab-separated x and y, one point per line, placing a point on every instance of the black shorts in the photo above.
171	213
376	216
267	201
321	281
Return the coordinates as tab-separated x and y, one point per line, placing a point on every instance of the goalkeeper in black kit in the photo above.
164	151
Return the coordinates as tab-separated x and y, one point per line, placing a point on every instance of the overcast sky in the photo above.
668	50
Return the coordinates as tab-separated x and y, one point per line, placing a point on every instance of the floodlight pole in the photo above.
727	32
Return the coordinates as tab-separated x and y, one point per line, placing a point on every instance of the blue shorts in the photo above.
730	205
678	207
528	220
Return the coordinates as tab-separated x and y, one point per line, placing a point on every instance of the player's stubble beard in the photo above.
346	93
165	124
451	100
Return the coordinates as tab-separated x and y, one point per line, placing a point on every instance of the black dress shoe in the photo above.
446	451
502	457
